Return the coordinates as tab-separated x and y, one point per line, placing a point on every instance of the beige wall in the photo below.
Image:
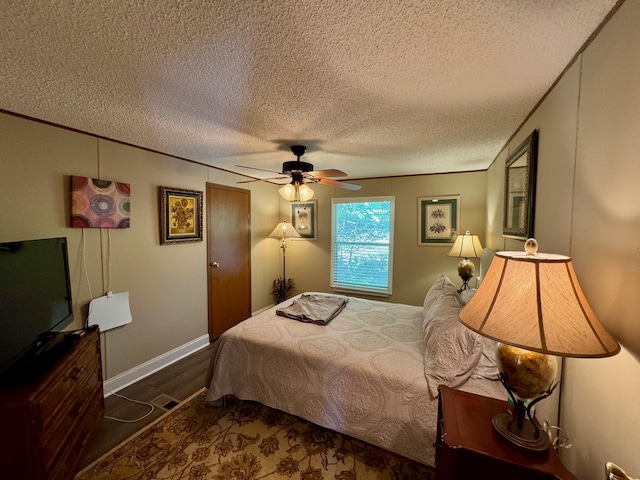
415	268
588	206
167	284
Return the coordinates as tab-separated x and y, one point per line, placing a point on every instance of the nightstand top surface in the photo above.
467	425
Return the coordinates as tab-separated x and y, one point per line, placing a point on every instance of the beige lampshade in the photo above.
284	230
466	246
534	301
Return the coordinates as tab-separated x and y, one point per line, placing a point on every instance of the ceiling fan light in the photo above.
305	193
288	192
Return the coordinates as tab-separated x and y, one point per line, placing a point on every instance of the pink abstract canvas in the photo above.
99	203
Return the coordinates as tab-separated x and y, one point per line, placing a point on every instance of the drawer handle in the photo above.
78	372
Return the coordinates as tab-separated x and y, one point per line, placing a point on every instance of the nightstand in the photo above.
467	446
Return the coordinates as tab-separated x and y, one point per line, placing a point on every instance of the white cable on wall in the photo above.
109	260
86	275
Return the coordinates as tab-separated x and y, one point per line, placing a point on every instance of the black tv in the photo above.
35	299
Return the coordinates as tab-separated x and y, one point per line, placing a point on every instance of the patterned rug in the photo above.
245	441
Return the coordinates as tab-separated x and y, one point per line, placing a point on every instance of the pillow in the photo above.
452	351
466	295
487	366
441	287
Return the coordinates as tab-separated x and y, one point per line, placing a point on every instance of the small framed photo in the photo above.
438	219
180	215
304	218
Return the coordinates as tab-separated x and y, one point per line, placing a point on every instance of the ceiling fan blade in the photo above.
327	173
262	179
339	184
261	169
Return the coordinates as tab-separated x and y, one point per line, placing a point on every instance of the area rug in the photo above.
245	441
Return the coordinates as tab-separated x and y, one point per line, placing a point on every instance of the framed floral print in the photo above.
438	219
180	215
304	218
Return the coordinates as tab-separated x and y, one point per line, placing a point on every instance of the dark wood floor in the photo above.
177	381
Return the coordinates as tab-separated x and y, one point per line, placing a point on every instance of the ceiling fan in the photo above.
302	173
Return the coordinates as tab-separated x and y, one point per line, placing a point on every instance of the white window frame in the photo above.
364	289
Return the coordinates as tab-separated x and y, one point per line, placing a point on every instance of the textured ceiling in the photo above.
372	87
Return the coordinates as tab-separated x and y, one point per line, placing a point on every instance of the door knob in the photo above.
214	265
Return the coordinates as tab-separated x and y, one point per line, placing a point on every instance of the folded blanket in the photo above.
318	309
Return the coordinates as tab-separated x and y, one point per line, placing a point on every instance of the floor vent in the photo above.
165	402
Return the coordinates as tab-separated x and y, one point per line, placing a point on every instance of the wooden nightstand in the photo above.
467	446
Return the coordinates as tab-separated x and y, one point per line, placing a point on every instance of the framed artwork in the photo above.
180	215
520	189
304	218
438	219
99	203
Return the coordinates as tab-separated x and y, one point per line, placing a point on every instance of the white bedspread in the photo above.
362	374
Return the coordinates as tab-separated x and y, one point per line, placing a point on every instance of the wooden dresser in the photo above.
46	424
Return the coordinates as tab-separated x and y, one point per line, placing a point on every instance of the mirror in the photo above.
520	189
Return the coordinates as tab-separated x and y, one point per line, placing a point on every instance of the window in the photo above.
362	244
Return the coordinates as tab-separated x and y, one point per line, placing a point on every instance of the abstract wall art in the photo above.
99	203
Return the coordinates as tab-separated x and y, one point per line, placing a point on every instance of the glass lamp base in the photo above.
528	377
528	436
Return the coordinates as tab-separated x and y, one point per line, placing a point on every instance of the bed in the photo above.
372	372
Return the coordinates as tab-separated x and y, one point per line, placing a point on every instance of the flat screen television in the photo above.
35	298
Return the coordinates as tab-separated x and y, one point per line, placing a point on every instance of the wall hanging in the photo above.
520	189
180	215
99	203
304	218
438	219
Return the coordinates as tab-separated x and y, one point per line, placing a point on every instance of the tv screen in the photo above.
35	295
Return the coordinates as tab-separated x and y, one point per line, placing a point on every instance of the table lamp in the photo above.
466	246
283	231
532	304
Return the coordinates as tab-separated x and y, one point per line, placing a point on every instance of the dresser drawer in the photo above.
70	418
53	401
80	437
46	423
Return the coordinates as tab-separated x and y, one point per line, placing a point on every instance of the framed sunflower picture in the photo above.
180	215
438	219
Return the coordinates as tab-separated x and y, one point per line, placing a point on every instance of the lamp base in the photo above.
528	436
464	286
528	378
465	270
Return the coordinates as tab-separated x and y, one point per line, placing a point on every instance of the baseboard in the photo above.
135	374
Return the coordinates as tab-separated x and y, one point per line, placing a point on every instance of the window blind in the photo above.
362	244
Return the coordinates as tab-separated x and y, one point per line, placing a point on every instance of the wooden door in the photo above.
228	257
